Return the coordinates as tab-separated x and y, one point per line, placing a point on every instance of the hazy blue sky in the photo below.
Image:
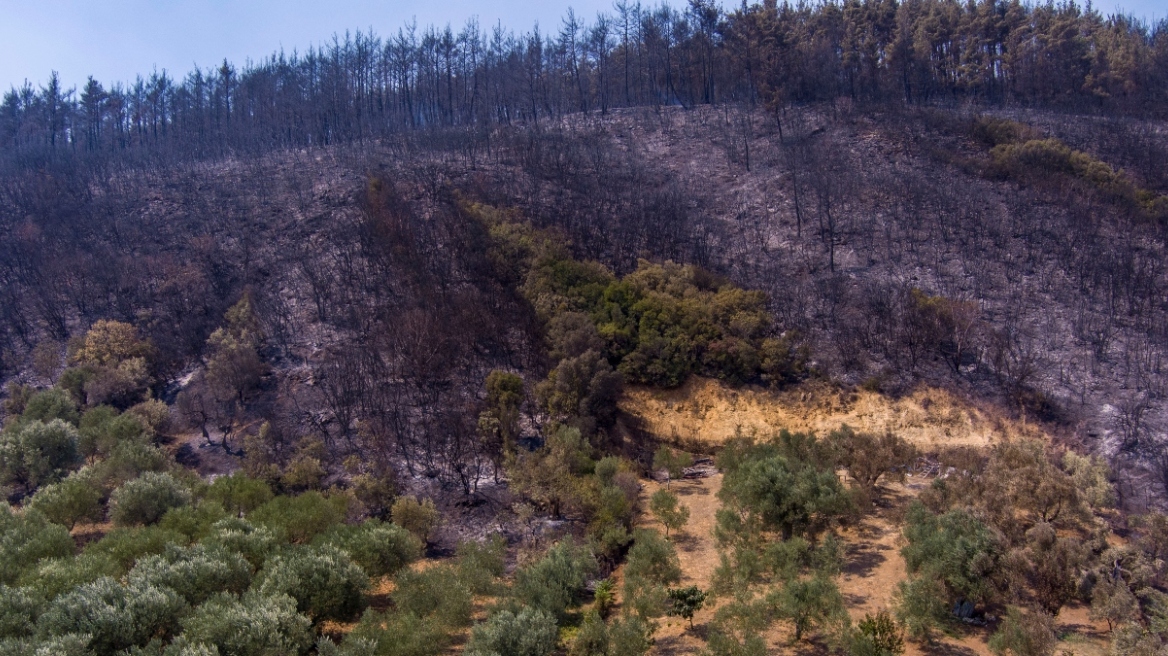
118	39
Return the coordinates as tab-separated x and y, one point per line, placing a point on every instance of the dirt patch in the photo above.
709	412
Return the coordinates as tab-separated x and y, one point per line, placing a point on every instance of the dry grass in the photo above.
706	411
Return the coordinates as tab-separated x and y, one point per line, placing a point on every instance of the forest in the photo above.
817	328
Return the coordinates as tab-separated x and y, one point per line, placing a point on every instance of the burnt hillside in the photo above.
1016	256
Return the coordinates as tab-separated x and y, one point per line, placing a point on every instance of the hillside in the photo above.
772	344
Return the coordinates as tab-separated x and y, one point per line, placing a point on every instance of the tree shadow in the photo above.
862	560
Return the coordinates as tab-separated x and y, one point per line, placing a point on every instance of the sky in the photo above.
115	40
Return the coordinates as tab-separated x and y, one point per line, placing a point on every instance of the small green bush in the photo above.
380	549
555	583
435	592
195	573
324	581
419	517
37	453
301	518
26	539
531	632
255	625
19	610
115	616
126	545
255	543
238	493
144	500
75	499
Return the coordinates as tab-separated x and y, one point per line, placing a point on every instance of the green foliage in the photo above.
238	493
685	602
604	597
664	506
877	635
550	476
55	576
301	518
1025	634
234	366
652	566
480	564
395	634
75	499
38	453
102	429
69	645
782	493
954	548
380	549
436	593
419	517
27	538
922	606
324	581
50	404
196	573
657	325
1038	158
531	632
1091	476
115	616
193	521
556	582
19	610
128	461
126	545
869	457
810	603
252	626
146	499
581	391
116	364
673	462
255	543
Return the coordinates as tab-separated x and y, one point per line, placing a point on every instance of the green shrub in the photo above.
877	635
685	602
922	606
811	603
48	405
396	634
70	645
252	626
238	493
102	429
419	517
115	616
324	581
480	564
954	548
37	453
75	499
144	500
1025	634
19	610
435	592
301	518
380	549
531	632
255	543
126	545
195	573
652	566
783	485
26	539
193	521
56	576
555	583
128	461
665	507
